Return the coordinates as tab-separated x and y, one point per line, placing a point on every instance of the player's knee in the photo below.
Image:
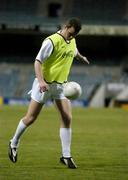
67	120
29	120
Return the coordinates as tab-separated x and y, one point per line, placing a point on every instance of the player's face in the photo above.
71	33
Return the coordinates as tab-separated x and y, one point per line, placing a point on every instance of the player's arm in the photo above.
39	74
79	56
44	53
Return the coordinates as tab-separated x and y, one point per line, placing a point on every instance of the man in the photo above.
52	66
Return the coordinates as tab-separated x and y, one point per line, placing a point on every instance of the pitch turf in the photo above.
99	146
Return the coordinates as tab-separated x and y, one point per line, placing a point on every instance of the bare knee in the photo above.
66	120
28	120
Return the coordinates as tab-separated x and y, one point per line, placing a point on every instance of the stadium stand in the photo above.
30	13
16	80
99	12
104	40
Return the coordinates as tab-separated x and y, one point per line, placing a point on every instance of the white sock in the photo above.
65	136
19	131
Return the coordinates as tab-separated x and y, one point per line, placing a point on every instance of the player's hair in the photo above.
74	22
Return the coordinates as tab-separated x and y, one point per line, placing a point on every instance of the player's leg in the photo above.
29	118
37	101
31	115
65	110
64	107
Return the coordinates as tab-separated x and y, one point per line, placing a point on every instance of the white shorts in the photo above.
55	92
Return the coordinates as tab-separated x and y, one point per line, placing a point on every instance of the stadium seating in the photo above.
25	14
16	80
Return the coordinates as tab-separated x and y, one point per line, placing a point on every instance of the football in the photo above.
72	90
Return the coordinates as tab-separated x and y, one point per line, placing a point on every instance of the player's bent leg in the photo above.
32	113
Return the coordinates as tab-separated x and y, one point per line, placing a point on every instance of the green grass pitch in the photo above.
99	145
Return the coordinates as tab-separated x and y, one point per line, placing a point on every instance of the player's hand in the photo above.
43	86
86	60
